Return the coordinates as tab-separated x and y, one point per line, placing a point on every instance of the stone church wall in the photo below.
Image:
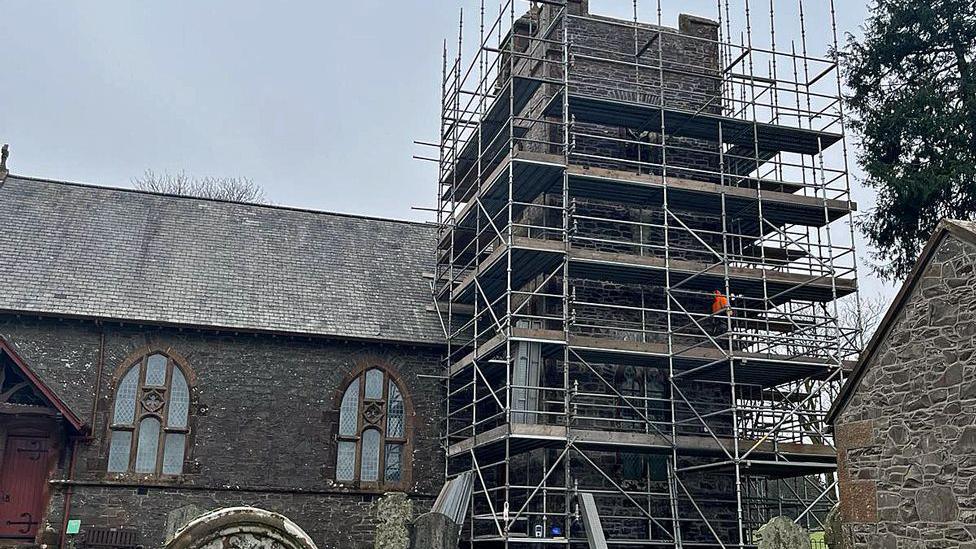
262	420
907	439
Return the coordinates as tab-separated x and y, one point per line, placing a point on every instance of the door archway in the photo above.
241	528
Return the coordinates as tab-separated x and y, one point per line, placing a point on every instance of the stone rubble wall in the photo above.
907	439
263	411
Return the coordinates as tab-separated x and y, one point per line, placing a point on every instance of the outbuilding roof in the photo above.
75	250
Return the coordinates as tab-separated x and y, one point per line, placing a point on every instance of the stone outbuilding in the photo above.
905	422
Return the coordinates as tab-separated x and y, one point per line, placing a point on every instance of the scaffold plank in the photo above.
763	136
706	277
767	369
778	207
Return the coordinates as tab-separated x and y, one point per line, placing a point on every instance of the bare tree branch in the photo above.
872	310
233	189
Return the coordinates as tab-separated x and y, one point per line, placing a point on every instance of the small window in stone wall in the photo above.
636	467
372	436
150	418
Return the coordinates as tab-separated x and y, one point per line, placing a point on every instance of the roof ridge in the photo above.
965	225
9	175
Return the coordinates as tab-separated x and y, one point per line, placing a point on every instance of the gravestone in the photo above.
834	530
241	528
393	512
434	531
180	517
782	533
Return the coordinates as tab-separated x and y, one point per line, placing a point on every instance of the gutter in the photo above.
436	343
227	488
98	380
66	508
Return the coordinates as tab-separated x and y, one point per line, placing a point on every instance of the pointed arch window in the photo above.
372	436
150	417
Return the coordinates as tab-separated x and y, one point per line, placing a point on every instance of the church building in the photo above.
164	356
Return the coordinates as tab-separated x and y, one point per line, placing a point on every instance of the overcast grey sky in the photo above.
317	101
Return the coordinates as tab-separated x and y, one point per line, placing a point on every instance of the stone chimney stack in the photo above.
579	7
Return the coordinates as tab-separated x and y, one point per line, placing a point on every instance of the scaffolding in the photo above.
637	275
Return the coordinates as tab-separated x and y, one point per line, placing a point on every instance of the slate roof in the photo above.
76	250
963	230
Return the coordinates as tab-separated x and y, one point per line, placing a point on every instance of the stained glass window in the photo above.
156	370
632	466
179	400
125	398
394	459
148	446
394	412
372	434
370	468
173	450
374	385
346	462
349	412
658	467
150	415
118	452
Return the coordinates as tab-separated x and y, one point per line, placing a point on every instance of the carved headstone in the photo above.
241	528
782	533
834	530
434	531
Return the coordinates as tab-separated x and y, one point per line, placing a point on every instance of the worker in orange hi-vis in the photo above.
720	303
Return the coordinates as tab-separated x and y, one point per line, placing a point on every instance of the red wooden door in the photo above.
22	478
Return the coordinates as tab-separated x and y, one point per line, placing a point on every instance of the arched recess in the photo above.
149	431
375	414
243	527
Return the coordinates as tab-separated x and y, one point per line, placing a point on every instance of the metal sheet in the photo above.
454	497
591	520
